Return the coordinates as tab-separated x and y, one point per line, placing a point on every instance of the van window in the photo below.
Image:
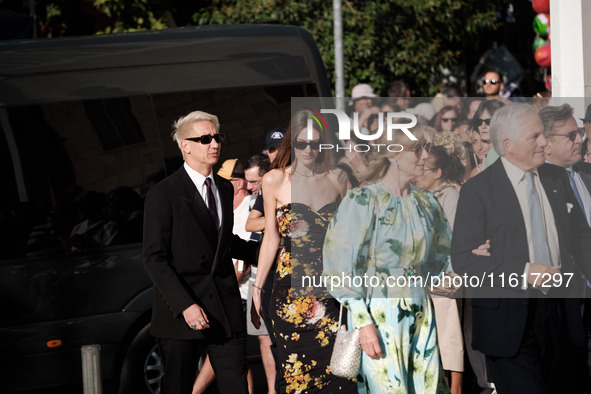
86	165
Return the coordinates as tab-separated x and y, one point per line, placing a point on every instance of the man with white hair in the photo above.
517	323
187	251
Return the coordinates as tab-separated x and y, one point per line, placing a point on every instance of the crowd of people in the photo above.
488	188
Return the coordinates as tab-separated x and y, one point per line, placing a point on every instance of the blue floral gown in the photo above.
412	239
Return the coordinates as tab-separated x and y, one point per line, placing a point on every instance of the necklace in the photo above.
308	175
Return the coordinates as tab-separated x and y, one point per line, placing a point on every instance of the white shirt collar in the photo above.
514	173
197	178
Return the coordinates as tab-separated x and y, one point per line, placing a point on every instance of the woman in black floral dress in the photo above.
304	317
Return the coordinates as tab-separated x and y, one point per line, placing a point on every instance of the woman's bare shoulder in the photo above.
274	177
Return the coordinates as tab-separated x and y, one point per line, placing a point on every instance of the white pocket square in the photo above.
569	206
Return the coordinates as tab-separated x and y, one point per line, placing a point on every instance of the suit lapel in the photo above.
507	198
226	199
192	198
554	193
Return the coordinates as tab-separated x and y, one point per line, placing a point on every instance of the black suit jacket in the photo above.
488	208
188	262
580	234
584	169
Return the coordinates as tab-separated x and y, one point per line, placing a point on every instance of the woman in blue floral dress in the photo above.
391	229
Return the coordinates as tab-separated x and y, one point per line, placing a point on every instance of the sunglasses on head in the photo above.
301	145
419	148
572	135
491	81
445	120
206	139
479	122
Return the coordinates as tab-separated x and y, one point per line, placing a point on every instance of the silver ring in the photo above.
201	321
194	327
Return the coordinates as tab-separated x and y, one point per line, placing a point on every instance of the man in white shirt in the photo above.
187	250
518	324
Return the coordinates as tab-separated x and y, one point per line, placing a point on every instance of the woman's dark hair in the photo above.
491	106
450	165
283	158
437	121
466	106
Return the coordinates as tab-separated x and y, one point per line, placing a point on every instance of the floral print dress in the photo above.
304	317
412	240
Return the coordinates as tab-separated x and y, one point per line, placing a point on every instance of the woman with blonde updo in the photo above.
391	229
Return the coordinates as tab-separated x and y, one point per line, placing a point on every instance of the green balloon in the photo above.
538	42
541	24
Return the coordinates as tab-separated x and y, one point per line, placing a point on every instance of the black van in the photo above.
85	131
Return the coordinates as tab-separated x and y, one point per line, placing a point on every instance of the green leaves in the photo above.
382	40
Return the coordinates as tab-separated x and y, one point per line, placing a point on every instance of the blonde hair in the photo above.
181	124
451	143
378	160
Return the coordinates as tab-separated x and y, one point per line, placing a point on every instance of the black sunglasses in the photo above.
301	145
445	120
480	121
206	139
491	81
272	149
427	147
572	135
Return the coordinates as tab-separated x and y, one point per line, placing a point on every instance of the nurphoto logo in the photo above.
344	133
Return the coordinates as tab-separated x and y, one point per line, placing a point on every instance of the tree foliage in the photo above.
382	40
412	40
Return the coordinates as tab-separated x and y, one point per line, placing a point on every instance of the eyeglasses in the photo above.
301	145
206	139
419	148
479	122
572	135
491	81
445	120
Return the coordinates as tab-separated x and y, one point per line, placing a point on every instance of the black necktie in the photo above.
211	206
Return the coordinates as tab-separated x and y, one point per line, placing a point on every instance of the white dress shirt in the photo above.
199	181
517	178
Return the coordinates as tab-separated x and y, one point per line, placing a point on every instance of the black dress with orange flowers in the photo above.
304	315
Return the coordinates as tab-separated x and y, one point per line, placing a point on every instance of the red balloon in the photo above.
541	6
543	56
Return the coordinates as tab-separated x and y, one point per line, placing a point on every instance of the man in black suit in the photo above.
188	249
517	324
563	155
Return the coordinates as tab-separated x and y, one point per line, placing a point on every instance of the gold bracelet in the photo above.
257	287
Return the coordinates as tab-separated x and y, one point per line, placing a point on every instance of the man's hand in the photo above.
540	274
483	250
370	342
196	318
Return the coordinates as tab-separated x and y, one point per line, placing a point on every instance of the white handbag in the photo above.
346	353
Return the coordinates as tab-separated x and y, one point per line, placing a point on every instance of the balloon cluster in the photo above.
541	25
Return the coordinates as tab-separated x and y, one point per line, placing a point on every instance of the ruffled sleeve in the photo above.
345	253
